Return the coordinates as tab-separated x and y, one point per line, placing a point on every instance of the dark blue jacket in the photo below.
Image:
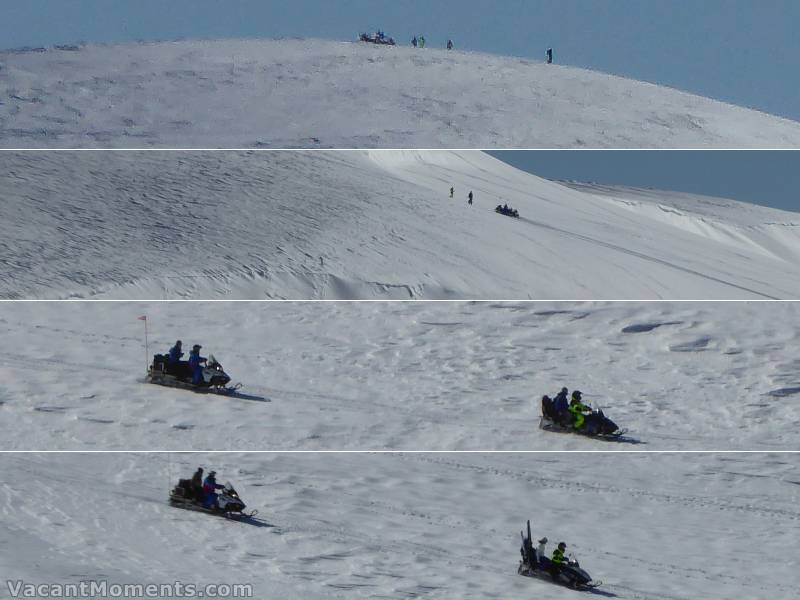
175	354
195	359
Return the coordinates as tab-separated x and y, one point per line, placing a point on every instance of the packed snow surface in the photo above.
651	527
400	375
312	93
368	224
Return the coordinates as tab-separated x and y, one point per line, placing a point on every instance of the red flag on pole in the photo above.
142	318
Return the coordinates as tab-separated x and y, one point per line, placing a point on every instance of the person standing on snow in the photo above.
195	360
469	198
414	41
549	56
452	191
210	487
449	44
422	41
577	408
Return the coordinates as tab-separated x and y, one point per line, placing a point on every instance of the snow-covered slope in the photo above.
368	224
312	93
400	375
655	527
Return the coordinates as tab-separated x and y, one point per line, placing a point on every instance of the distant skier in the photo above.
549	56
469	200
197	484
175	354
414	41
452	191
449	44
422	41
210	487
195	360
577	408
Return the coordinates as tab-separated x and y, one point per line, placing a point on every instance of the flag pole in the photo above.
146	344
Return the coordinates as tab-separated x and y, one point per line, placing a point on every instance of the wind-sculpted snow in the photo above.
401	376
655	527
372	224
312	93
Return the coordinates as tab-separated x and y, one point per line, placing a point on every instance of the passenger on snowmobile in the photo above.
541	553
210	486
195	360
561	405
197	484
577	408
175	354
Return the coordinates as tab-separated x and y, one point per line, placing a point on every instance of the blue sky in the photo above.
769	178
742	51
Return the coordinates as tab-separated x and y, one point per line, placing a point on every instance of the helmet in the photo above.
196	347
545	397
543	540
576	395
178	343
212	473
562	546
564	390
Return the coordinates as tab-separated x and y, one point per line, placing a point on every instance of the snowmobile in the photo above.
214	377
507	211
596	424
376	38
229	504
570	574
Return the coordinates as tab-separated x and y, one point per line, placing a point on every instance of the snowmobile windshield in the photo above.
212	360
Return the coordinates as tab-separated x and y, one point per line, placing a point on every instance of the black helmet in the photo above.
576	395
212	474
178	343
564	390
543	540
545	397
196	347
562	546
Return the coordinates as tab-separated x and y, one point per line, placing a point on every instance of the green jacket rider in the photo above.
577	408
558	555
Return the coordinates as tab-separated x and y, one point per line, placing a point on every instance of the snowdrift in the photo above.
368	224
397	526
401	375
312	93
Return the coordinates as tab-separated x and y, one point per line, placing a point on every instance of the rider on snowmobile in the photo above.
175	354
560	405
577	408
195	360
197	484
210	486
558	560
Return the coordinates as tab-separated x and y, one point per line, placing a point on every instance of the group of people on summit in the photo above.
194	363
568	413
